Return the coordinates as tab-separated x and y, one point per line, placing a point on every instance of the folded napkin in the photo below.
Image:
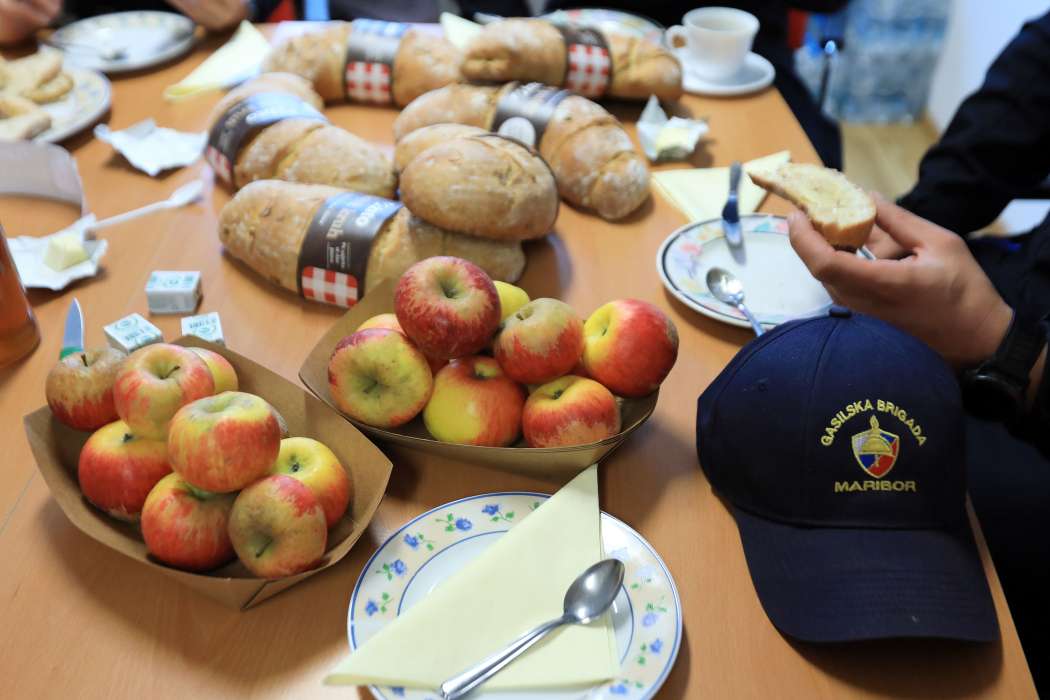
517	583
237	60
28	253
151	148
700	193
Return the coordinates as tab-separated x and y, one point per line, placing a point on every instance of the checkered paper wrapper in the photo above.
370	51
589	63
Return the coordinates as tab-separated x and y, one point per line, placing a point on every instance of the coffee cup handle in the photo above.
676	37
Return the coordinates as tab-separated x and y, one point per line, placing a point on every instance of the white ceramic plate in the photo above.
757	73
428	549
777	286
149	38
80	108
616	21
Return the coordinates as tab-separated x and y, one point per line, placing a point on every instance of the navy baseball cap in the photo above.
838	443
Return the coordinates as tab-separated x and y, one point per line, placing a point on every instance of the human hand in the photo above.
214	15
938	293
20	18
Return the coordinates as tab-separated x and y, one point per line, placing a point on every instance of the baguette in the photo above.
265	225
593	159
484	185
421	62
537	50
305	149
840	210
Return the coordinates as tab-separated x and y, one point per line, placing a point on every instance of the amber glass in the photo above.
18	331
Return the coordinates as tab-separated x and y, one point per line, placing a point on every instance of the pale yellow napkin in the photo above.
516	584
237	60
459	31
700	193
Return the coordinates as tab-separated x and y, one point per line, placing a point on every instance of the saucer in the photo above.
756	74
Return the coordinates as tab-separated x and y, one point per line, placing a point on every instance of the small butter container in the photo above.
131	333
206	326
173	291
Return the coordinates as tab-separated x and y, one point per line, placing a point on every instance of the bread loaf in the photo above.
593	159
483	184
420	140
411	62
840	210
301	148
266	223
584	60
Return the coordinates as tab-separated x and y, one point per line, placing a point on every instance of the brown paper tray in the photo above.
56	448
553	462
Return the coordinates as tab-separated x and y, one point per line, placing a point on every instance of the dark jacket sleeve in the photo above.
997	146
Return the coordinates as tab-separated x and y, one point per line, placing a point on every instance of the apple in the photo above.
389	320
570	411
447	306
312	463
224	442
186	527
629	346
511	298
475	403
156	381
79	389
377	376
222	372
277	527
117	469
539	342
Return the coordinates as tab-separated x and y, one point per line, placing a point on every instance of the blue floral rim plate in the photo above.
147	37
646	616
82	106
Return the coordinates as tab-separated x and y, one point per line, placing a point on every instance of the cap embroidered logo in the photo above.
876	449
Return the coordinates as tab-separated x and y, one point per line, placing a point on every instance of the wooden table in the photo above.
80	620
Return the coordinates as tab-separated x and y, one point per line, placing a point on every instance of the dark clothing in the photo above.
78	9
771	42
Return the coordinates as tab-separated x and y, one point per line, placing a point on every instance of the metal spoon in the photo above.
728	289
184	195
589	596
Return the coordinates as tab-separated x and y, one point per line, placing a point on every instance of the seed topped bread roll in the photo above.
840	210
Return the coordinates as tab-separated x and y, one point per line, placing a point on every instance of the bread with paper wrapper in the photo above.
264	226
423	62
840	210
421	139
534	49
593	159
306	150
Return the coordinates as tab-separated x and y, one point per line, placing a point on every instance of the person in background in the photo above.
961	297
771	43
422	10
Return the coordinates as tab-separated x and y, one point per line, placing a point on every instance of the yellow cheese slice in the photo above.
516	584
700	193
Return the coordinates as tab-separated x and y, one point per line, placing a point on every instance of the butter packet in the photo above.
173	291
668	139
131	333
205	326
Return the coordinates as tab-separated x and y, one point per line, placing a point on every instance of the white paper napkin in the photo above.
151	148
28	254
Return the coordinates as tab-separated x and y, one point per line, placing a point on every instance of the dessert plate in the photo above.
81	107
646	616
778	287
146	38
756	74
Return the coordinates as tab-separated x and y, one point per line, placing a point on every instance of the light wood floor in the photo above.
885	157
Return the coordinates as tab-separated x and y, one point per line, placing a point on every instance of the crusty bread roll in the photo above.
594	162
840	210
265	224
482	184
423	62
535	50
306	150
421	139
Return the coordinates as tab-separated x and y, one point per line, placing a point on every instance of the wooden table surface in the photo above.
79	620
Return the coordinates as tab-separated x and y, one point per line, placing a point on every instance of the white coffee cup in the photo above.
713	42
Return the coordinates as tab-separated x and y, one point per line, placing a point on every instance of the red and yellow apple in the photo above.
570	411
223	443
117	469
312	463
186	527
277	527
377	376
447	306
541	341
156	381
222	372
511	298
389	320
79	389
629	346
475	403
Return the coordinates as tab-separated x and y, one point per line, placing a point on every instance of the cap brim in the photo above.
837	584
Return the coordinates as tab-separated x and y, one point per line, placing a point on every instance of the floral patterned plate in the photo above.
778	287
646	615
81	107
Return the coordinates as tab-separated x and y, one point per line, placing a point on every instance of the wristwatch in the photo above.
996	388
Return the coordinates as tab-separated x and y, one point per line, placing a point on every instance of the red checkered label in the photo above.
329	286
368	82
589	71
219	163
371	48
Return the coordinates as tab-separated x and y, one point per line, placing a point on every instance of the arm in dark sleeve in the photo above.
997	146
